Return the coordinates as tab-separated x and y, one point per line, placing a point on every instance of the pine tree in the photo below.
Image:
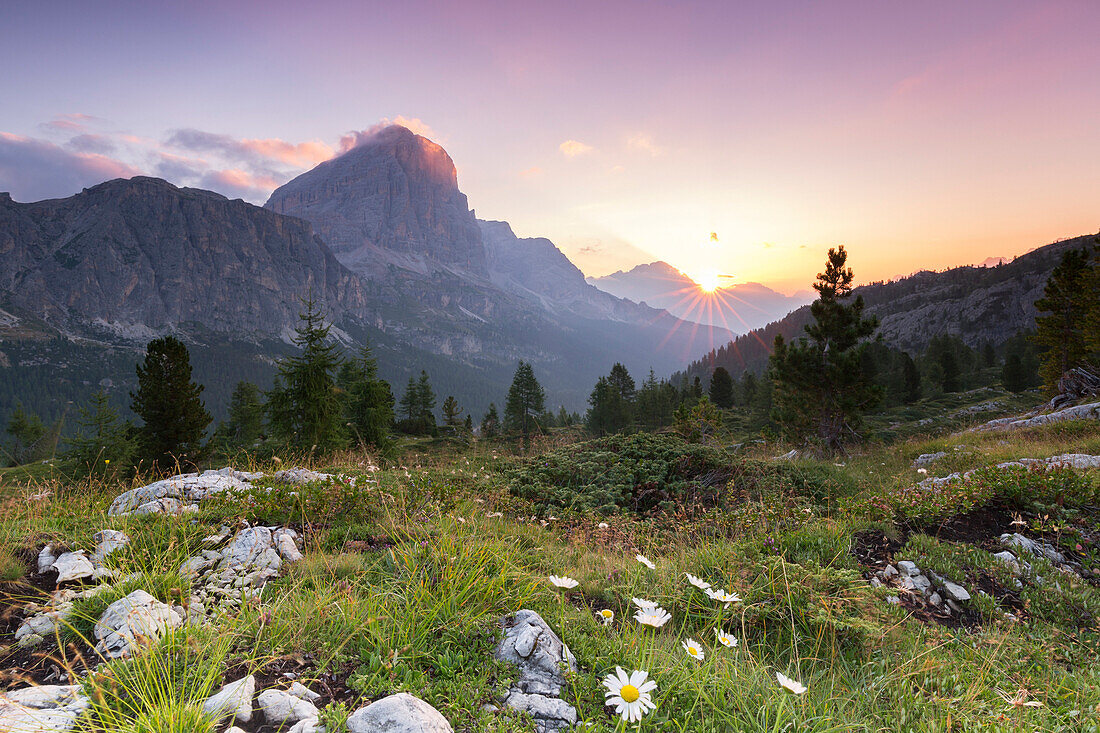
170	406
1013	375
304	407
101	445
368	399
26	430
410	401
425	399
525	400
490	424
246	415
819	389
1066	305
468	425
721	388
910	380
451	411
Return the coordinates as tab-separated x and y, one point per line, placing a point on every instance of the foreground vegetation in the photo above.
407	575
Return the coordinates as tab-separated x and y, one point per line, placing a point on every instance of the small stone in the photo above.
893	600
234	699
46	559
108	541
281	707
955	592
922	584
935	599
73	566
875	582
302	692
889	572
908	568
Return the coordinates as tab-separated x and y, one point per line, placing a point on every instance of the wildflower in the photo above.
722	596
725	639
645	561
655	617
693	649
564	581
495	514
643	603
796	687
922	471
603	525
698	582
607	616
630	694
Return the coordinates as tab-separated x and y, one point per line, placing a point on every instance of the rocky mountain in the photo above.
86	281
140	256
980	304
738	308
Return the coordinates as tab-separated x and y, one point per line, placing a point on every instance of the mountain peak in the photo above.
391	199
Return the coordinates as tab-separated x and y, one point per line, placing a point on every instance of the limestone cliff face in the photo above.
394	199
143	253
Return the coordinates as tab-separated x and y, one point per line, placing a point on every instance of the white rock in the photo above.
73	566
107	541
287	549
133	618
310	725
400	713
955	592
46	559
281	707
302	692
251	548
234	699
41	709
908	568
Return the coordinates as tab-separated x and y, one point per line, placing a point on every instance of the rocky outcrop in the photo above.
41	709
129	622
1079	412
400	713
539	656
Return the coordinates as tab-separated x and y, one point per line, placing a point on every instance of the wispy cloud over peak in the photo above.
573	148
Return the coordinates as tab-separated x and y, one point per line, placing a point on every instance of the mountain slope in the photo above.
978	304
738	308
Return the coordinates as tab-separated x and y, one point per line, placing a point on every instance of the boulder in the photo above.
126	622
550	713
927	459
539	655
251	548
400	713
232	700
41	709
46	559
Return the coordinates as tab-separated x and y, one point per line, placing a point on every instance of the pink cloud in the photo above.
33	169
414	124
573	148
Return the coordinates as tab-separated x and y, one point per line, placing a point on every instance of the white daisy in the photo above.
725	639
698	582
607	616
564	581
796	687
645	561
693	649
655	617
722	596
603	525
643	603
630	694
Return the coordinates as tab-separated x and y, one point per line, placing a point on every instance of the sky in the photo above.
733	140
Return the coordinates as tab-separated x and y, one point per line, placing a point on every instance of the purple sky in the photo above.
918	134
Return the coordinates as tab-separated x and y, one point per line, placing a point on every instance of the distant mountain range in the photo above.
738	308
980	304
381	236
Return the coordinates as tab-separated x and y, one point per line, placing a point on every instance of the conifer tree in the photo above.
490	424
525	400
304	407
721	388
410	401
1065	306
170	406
101	444
452	413
468	425
368	400
425	396
1013	374
820	391
26	430
910	376
246	415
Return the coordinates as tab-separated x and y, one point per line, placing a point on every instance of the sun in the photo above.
708	281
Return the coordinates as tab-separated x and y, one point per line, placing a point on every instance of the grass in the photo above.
407	574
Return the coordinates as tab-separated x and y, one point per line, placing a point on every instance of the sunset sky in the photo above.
920	135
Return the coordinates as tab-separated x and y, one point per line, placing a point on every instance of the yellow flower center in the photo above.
693	651
629	693
605	613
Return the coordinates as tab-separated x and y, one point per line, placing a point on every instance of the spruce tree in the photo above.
525	400
101	444
170	406
26	430
1013	375
452	413
304	407
910	380
819	390
425	400
246	415
410	401
490	424
368	399
721	388
1065	305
